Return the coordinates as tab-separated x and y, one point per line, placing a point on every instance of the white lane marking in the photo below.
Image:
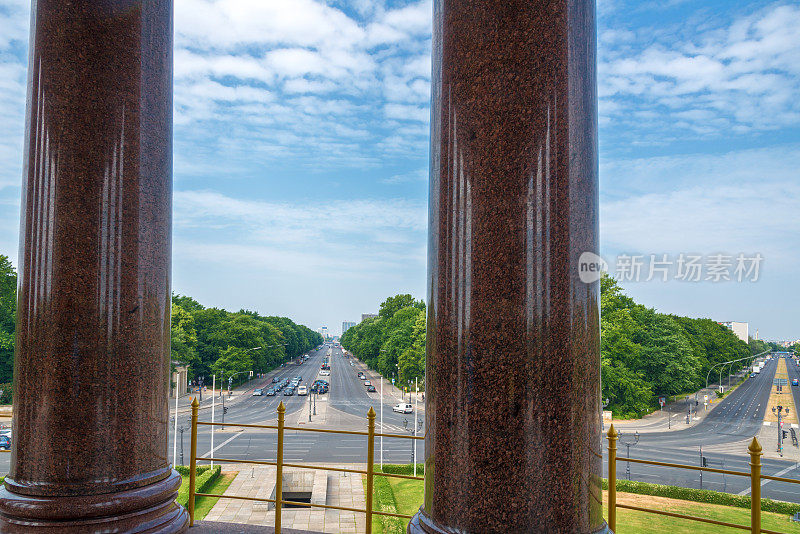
763	482
212	451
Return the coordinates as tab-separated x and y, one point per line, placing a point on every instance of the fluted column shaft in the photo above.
93	343
513	369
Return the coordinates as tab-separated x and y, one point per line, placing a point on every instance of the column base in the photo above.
150	509
421	523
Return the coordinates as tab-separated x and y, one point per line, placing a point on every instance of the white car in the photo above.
258	392
324	372
403	408
302	390
367	383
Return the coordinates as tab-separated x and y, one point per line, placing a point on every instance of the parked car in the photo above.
403	408
258	392
302	390
5	442
270	393
371	389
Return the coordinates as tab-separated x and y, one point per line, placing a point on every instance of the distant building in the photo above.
740	329
323	331
365	316
346	325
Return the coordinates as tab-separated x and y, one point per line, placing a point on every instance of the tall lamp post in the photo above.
628	445
780	411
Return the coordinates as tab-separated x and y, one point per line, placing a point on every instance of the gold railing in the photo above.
278	501
755	487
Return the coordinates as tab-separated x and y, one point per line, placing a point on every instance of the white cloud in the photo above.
736	202
745	75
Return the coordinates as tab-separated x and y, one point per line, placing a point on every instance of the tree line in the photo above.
393	343
215	341
646	355
209	340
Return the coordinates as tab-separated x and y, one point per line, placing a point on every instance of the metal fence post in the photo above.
279	475
612	479
755	486
370	465
192	460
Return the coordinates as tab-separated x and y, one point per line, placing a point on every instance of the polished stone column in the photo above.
92	355
513	439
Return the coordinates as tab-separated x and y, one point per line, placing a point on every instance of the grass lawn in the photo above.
407	496
203	505
630	521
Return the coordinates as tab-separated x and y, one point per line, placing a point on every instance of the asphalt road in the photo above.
347	394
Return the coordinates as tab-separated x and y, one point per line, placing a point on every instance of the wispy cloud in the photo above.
725	80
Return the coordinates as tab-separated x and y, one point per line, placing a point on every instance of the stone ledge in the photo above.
213	527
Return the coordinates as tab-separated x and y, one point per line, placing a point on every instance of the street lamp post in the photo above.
780	412
415	426
628	446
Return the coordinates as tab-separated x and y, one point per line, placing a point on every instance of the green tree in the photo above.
392	305
8	315
183	338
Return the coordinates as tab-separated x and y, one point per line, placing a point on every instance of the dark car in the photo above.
5	442
289	392
275	380
270	393
371	389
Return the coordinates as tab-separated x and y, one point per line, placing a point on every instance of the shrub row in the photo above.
8	393
206	475
404	469
704	496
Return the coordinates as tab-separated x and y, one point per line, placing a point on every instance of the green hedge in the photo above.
206	475
704	496
8	393
404	469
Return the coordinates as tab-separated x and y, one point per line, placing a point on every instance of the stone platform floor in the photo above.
342	490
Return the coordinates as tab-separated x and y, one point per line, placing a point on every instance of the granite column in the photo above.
513	440
92	349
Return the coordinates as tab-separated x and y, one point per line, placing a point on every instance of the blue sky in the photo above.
302	139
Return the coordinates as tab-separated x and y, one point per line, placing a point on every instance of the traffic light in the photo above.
225	409
704	461
785	434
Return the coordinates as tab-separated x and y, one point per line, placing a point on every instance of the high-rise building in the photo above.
740	329
346	325
365	316
323	331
